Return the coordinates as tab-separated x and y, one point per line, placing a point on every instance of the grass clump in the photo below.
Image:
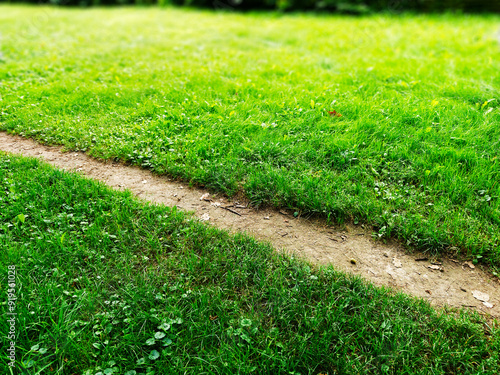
109	284
244	103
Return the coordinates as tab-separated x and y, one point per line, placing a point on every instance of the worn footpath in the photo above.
351	248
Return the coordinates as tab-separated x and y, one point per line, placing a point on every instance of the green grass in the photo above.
239	103
108	284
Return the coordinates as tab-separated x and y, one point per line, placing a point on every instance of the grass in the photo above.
107	284
239	103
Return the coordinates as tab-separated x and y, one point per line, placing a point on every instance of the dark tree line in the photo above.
342	6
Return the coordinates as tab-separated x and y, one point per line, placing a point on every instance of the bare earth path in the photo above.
447	282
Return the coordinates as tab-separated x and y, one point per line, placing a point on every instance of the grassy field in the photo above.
244	103
106	284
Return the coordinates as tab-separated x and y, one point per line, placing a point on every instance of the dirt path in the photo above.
352	249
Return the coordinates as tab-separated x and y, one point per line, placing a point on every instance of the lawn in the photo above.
387	120
106	284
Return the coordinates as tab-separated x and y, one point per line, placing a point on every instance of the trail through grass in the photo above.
107	284
244	103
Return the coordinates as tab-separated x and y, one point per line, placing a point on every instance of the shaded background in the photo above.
342	6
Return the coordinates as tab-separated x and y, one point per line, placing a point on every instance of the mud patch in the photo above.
350	249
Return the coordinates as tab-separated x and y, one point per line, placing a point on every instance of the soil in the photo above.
443	282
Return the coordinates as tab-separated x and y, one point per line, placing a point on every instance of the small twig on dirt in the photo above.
233	211
284	234
333	239
421	259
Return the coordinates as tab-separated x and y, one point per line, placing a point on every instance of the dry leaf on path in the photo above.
480	296
205	197
205	217
487	304
435	267
397	263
